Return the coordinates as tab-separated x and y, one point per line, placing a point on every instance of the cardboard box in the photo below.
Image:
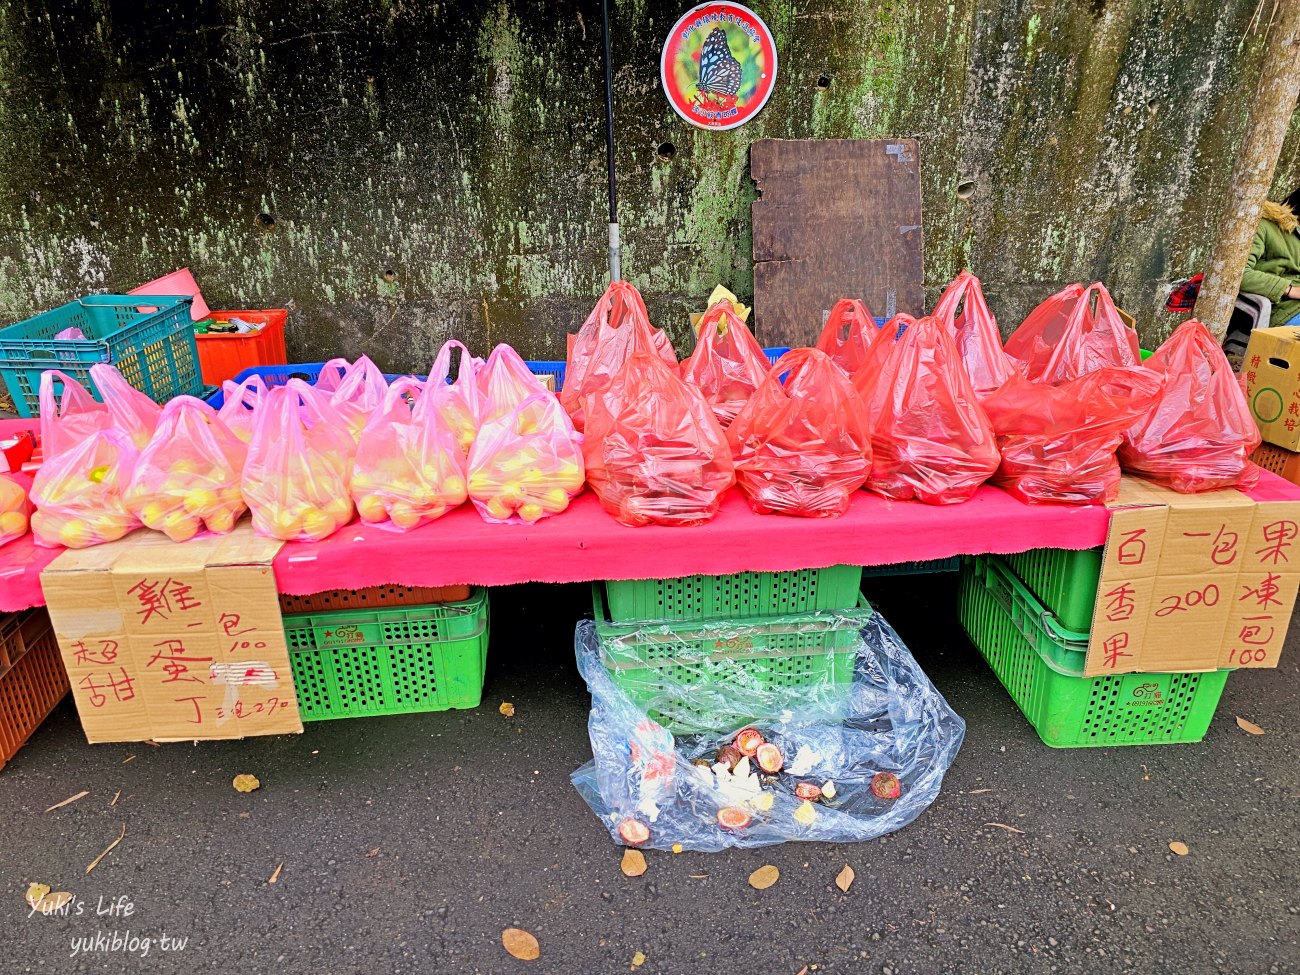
1282	462
546	379
1194	582
1272	371
174	642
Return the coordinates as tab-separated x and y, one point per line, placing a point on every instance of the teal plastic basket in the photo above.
352	664
148	338
924	567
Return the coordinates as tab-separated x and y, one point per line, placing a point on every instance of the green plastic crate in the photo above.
733	664
923	567
1064	581
153	349
744	594
394	661
1041	663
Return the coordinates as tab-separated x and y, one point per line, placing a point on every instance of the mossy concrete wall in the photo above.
398	172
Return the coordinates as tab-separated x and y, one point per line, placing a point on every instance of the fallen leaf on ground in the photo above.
978	792
802	971
677	848
1180	848
698	876
764	877
71	799
1009	829
116	796
107	850
844	879
275	874
637	961
1249	727
521	944
152	743
36	893
633	864
129	758
373	853
246	783
507	709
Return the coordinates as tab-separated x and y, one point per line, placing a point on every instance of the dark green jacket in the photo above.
1274	262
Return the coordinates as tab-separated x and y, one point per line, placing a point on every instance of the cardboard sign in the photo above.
1194	582
174	642
1272	369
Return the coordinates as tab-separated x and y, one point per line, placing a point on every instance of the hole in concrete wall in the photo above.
265	220
823	81
93	216
389	275
1153	104
666	151
965	189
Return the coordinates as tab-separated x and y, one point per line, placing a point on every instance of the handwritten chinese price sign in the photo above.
1197	582
171	641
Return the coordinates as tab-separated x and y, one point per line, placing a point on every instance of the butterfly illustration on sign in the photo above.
718	65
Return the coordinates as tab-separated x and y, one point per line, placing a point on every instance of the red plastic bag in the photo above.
878	353
87	465
526	463
296	478
654	450
239	405
504	382
15	510
930	439
728	363
459	403
187	478
134	413
1072	333
848	334
409	467
617	327
963	309
356	390
1058	443
1199	435
801	445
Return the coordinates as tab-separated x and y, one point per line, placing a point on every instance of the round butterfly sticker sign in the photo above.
718	65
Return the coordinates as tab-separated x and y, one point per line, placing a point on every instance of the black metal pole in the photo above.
615	271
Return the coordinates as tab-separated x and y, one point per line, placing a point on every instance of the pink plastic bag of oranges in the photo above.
356	390
728	364
459	403
409	468
848	333
617	327
930	439
505	381
134	413
963	309
296	477
526	463
1200	434
655	452
88	460
1072	333
15	509
1058	443
802	445
187	478
239	405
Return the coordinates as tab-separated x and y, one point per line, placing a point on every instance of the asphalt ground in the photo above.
409	843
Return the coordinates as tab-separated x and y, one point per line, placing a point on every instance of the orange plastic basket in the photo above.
222	357
32	677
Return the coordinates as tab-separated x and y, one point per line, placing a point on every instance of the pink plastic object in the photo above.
356	390
526	464
802	445
409	469
15	509
848	333
1200	434
963	309
187	478
728	364
239	405
296	477
654	450
69	334
134	413
504	382
177	283
1072	333
460	404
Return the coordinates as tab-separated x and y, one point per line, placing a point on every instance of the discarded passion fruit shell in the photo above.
748	741
886	785
730	756
808	790
769	758
729	817
633	832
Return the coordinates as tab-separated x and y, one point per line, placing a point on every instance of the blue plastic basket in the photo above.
149	338
308	372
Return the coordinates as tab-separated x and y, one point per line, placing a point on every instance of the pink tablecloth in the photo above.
584	543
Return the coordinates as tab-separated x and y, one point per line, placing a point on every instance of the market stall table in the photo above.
584	543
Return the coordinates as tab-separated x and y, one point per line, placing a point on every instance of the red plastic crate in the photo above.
222	357
32	677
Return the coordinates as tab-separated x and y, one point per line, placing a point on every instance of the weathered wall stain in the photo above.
436	169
